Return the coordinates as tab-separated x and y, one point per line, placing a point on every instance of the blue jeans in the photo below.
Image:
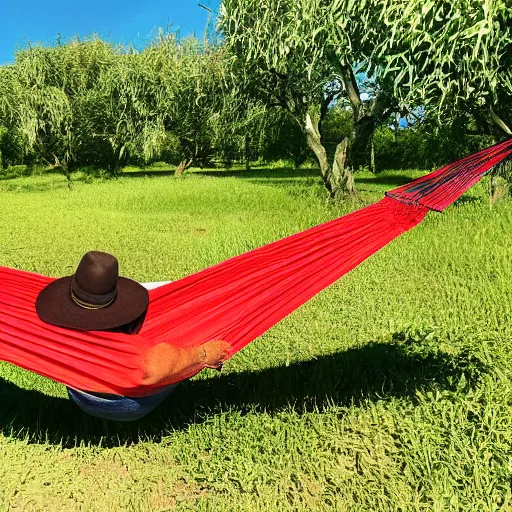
115	407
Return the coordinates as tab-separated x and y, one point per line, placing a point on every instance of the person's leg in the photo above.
118	408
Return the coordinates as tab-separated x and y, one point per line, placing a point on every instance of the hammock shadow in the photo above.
372	372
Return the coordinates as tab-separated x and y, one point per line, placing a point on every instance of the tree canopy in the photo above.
306	57
450	57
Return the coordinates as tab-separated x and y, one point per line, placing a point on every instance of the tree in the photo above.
32	103
123	116
201	105
41	94
301	58
453	58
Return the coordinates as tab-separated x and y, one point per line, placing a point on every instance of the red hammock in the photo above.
236	300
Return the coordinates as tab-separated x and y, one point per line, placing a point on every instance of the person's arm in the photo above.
163	362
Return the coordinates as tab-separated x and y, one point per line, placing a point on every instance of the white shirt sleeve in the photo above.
155	284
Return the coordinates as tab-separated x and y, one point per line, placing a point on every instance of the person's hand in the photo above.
214	353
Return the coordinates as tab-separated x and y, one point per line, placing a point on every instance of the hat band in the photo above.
91	301
87	305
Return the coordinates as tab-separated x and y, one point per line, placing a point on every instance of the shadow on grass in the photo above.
288	178
467	199
372	372
282	176
395	180
147	174
263	173
255	173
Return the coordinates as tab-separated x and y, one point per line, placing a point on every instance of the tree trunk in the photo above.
247	152
498	189
342	175
360	152
498	121
338	178
182	167
372	155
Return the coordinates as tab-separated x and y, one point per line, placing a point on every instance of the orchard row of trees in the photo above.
90	103
285	79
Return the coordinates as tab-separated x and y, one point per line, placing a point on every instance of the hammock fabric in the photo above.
236	300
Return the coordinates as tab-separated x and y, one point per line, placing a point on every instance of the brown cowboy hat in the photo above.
94	298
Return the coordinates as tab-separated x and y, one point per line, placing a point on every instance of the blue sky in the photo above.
126	21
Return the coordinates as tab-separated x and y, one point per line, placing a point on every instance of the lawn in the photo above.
391	390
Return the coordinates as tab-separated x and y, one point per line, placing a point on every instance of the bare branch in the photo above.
350	83
499	122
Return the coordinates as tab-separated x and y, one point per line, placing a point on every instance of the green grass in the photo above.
391	390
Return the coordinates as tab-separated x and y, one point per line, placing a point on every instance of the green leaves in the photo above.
90	102
450	50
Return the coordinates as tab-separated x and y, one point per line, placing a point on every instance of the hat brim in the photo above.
55	306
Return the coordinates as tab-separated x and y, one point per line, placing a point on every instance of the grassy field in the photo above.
391	390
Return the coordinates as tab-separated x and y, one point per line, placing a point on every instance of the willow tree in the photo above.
41	94
88	102
124	114
33	104
299	57
174	87
451	57
202	105
455	60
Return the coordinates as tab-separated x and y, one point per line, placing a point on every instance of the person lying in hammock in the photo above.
97	298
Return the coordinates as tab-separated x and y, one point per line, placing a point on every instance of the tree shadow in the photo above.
288	178
391	180
467	199
372	372
147	174
253	173
283	177
262	173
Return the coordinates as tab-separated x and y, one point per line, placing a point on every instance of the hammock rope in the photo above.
236	300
